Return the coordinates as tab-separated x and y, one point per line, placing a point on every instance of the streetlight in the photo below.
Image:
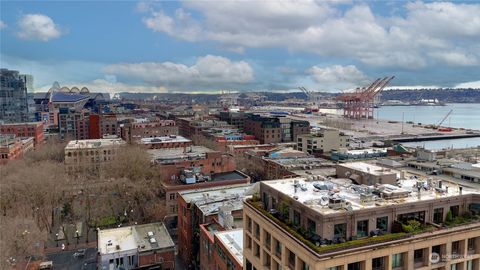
77	235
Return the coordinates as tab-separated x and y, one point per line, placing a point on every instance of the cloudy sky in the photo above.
200	46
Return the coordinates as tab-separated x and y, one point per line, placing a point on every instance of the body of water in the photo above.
464	115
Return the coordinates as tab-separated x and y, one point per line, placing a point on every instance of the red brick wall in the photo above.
34	130
94	127
151	259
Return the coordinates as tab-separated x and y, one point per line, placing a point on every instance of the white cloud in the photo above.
454	58
339	77
319	27
38	27
206	71
2	25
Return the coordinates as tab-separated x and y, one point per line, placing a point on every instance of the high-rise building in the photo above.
13	96
337	225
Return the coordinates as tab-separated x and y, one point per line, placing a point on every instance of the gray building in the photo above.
13	96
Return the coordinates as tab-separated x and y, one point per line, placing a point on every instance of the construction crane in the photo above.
444	118
360	103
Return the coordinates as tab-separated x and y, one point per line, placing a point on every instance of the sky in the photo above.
210	46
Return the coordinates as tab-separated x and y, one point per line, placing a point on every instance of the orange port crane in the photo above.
360	103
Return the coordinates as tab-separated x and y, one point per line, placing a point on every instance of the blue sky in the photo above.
202	46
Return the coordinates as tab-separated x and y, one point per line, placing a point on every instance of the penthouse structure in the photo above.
90	155
147	246
22	130
336	224
202	206
133	132
366	173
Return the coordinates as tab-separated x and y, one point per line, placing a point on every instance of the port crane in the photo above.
360	103
444	118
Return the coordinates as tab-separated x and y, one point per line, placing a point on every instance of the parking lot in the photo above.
66	260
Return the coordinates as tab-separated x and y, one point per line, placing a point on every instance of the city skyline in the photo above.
209	46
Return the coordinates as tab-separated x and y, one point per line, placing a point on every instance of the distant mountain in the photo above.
454	95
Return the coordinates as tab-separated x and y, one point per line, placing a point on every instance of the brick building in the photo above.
147	246
133	132
202	206
275	129
31	129
199	159
190	126
160	142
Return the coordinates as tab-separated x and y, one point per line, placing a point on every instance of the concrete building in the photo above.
12	147
324	141
147	246
234	118
90	155
202	206
335	224
74	124
229	253
161	142
366	173
13	97
30	129
133	132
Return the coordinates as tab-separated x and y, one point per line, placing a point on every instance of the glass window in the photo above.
378	263
340	231
397	260
382	224
354	266
312	226
362	228
438	215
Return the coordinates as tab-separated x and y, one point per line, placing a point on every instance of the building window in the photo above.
397	260
291	259
419	216
456	247
340	231
257	230
172	196
278	248
438	215
378	263
362	228
454	266
268	239
296	218
455	209
382	224
354	266
311	226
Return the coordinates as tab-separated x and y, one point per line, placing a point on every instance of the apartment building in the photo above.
324	141
337	225
29	129
146	246
135	131
265	129
90	155
196	207
12	147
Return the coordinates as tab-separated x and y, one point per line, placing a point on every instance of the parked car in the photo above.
79	253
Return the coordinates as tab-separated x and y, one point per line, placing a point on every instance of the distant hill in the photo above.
467	95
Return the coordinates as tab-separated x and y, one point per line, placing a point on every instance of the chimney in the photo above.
439	183
460	189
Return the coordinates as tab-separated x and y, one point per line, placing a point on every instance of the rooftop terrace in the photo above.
92	144
335	196
176	154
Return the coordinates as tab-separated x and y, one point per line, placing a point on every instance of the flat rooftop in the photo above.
146	237
210	195
367	168
173	154
224	176
164	139
94	143
233	241
316	194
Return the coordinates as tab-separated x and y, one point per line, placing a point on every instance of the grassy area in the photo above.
109	221
333	247
460	220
